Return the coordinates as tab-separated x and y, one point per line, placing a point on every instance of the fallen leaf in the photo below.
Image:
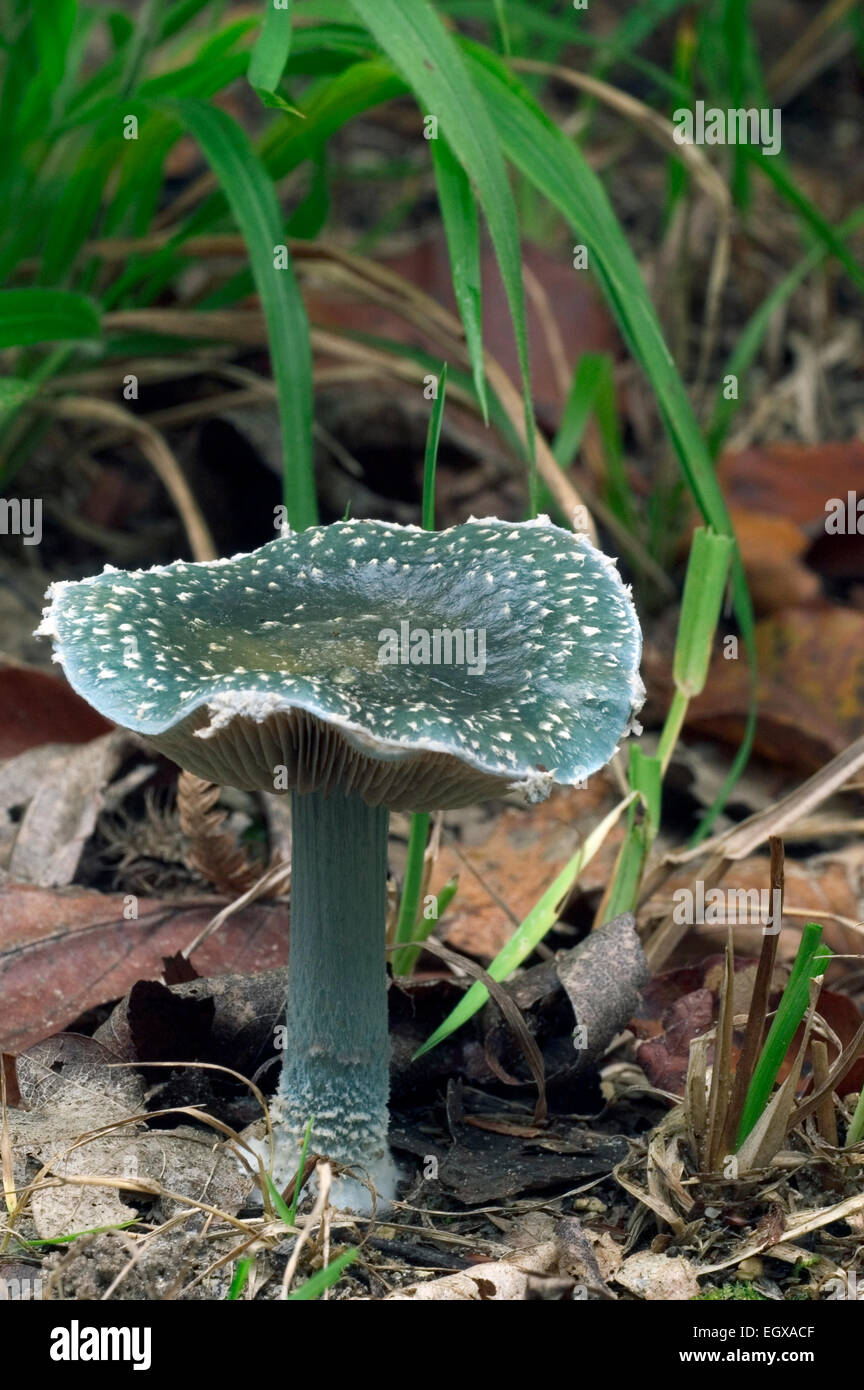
799	482
792	480
772	550
62	810
810	692
62	953
658	1278
37	708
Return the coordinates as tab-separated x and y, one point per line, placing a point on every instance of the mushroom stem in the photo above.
336	1065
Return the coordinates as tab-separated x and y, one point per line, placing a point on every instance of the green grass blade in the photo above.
241	1275
291	1212
430	461
855	1132
643	822
577	410
253	202
271	50
542	917
462	230
638	24
309	217
68	1237
404	960
503	27
325	1278
329	106
809	962
592	392
53	25
704	586
333	11
740	64
409	903
413	36
203	78
280	1206
144	37
46	316
677	176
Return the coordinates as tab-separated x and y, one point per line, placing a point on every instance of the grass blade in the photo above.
253	202
577	411
271	50
809	962
76	210
241	1275
413	36
560	32
757	1011
325	1278
462	230
704	587
542	917
405	959
409	903
643	823
430	461
178	15
280	1206
45	316
855	1132
53	25
291	1212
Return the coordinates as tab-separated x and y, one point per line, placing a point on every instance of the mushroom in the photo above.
364	667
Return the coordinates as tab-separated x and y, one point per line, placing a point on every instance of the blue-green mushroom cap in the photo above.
418	669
